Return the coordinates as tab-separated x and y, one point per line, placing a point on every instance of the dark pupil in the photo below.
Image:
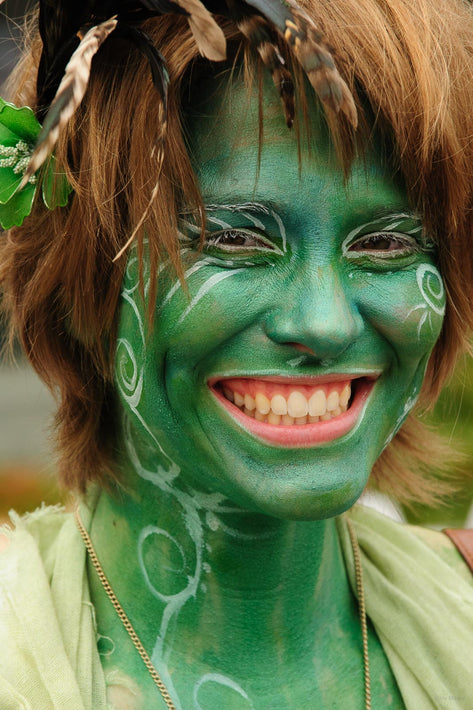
233	238
378	243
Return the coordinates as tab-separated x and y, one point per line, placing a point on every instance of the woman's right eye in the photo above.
238	241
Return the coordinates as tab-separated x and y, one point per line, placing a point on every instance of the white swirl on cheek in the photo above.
129	370
129	374
129	377
132	273
178	284
205	288
130	276
431	287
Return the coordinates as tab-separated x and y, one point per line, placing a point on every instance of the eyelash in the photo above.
241	242
261	244
408	245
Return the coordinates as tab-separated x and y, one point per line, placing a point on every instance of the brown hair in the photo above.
410	65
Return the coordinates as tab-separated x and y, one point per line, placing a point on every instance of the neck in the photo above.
201	570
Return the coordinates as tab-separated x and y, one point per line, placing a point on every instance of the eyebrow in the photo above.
394	219
268	209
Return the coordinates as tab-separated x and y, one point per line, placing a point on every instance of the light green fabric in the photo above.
419	596
48	652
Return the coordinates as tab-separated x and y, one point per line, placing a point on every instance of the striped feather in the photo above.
308	44
258	32
316	59
208	36
69	95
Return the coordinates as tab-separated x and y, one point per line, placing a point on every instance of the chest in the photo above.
208	682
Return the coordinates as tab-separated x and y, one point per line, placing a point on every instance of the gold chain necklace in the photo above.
147	660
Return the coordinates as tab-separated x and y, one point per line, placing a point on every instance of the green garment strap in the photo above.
419	597
48	650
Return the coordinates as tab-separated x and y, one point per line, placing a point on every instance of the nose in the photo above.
316	314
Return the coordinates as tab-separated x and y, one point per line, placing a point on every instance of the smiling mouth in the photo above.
285	412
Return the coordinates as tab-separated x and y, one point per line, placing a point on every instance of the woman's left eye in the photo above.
384	244
239	241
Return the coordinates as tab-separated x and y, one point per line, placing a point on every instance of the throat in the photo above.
241	597
192	575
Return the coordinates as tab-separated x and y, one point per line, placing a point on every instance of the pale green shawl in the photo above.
419	596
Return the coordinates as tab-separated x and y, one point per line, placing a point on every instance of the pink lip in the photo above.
306	435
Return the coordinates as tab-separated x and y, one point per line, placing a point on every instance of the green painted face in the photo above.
302	343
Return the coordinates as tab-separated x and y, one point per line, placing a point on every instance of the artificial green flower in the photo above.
19	130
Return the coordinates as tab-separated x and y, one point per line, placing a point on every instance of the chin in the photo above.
292	495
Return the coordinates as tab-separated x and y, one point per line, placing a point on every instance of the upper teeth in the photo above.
288	406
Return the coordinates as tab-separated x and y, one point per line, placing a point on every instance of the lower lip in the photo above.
303	435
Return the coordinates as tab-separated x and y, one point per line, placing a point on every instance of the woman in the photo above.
224	399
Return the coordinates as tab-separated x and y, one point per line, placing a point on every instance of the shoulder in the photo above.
442	545
29	543
394	546
419	597
47	626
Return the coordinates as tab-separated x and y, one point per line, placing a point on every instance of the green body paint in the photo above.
224	551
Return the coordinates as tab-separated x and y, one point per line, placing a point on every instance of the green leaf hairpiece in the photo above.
19	131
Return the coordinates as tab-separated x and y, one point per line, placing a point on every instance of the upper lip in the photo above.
310	381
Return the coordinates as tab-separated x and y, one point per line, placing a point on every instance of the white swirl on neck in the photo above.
221	680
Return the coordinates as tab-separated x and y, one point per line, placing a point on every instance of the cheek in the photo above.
407	308
219	303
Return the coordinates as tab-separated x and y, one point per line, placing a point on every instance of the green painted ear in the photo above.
19	130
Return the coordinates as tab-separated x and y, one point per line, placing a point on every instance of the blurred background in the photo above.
27	474
27	471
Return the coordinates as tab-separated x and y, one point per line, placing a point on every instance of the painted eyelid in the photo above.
389	223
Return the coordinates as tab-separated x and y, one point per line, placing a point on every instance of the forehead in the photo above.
296	175
231	117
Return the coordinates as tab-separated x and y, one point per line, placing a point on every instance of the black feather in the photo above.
50	78
58	24
61	21
156	60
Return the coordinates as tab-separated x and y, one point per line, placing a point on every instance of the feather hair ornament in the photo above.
72	34
69	95
258	32
265	23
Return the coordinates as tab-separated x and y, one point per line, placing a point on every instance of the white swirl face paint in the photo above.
432	290
283	290
217	679
197	509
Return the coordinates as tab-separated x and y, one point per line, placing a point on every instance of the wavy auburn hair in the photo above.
409	64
